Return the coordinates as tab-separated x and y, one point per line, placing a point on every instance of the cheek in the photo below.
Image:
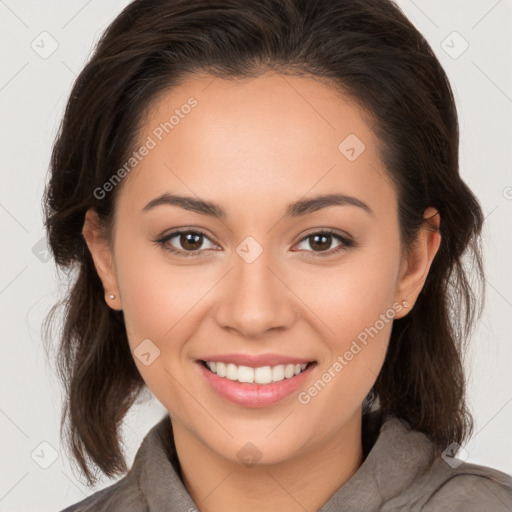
158	308
163	303
355	306
155	293
353	295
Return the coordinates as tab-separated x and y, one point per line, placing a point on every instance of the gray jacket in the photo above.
400	472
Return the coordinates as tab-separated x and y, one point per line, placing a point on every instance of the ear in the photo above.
97	242
416	264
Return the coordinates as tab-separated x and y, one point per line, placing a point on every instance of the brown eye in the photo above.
185	242
191	241
321	242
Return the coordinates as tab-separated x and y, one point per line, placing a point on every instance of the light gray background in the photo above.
33	92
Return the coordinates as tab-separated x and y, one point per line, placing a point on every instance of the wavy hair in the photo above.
371	52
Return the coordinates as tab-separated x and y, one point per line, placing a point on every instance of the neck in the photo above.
304	482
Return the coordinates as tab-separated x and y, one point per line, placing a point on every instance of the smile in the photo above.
259	385
260	375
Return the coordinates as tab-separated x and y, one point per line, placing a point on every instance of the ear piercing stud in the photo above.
405	304
111	296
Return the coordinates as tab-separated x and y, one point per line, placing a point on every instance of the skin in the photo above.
253	147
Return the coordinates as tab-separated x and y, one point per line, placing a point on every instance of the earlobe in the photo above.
98	245
418	261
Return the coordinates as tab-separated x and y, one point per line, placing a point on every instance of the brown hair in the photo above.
372	52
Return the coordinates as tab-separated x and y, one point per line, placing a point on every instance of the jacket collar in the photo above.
394	456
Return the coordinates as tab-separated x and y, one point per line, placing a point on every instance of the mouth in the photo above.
259	375
255	384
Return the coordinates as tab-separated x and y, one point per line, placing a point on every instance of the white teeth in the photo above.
245	374
221	369
289	371
260	375
263	375
278	373
231	371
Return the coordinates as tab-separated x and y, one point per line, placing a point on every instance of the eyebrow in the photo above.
296	209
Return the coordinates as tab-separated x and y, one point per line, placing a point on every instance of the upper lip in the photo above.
255	361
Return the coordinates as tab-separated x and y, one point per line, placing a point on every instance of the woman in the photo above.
263	207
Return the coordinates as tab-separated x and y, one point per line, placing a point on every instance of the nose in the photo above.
255	298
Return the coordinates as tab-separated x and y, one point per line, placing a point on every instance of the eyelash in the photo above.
346	243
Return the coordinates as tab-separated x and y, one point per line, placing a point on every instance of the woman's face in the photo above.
257	282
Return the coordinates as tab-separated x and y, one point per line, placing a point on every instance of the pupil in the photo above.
324	244
188	243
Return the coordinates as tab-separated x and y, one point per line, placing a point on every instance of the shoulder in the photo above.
122	496
152	483
469	488
464	488
414	477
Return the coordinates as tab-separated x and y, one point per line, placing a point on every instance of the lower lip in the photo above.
255	395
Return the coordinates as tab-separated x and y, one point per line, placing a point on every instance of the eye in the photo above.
321	242
189	242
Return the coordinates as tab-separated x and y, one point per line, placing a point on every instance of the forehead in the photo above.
274	137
